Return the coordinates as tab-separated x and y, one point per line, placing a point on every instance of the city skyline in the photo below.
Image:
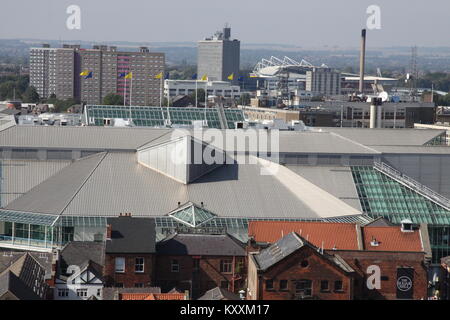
402	24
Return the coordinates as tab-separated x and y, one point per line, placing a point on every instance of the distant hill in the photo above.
177	53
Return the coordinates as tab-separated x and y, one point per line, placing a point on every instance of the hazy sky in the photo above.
297	22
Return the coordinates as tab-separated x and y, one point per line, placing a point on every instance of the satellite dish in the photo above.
384	96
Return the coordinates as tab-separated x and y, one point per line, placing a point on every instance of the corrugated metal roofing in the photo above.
109	183
20	176
78	137
289	141
336	180
57	192
422	150
387	137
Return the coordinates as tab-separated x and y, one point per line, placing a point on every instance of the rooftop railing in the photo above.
413	184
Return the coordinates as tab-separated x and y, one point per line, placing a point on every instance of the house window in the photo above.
224	284
283	285
269	284
99	292
139	265
138	285
175	267
120	264
63	292
82	293
303	288
338	285
324	286
225	266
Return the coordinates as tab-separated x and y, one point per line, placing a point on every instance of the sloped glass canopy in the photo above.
381	196
27	218
192	215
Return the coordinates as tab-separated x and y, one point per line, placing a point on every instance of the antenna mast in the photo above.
414	74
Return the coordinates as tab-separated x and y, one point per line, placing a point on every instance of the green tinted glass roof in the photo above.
156	116
381	196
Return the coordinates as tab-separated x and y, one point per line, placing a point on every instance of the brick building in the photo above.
445	279
294	269
129	252
390	262
198	263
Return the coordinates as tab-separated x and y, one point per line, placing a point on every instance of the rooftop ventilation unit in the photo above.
374	242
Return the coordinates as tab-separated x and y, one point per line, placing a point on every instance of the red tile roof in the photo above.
152	296
343	236
392	239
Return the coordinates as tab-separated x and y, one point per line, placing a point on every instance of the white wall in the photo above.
93	286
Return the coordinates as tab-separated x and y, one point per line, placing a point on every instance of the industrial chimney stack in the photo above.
362	61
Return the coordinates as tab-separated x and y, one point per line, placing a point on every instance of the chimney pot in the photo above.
108	231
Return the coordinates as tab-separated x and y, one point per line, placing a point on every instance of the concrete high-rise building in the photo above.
107	63
57	71
219	56
52	71
323	81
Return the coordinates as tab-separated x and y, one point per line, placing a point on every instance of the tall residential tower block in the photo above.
57	71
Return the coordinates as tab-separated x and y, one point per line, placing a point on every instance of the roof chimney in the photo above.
362	61
108	231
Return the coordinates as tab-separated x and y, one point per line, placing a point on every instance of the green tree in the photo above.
244	100
113	99
30	95
200	95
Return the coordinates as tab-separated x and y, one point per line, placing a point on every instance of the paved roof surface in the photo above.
131	235
200	245
343	236
392	239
